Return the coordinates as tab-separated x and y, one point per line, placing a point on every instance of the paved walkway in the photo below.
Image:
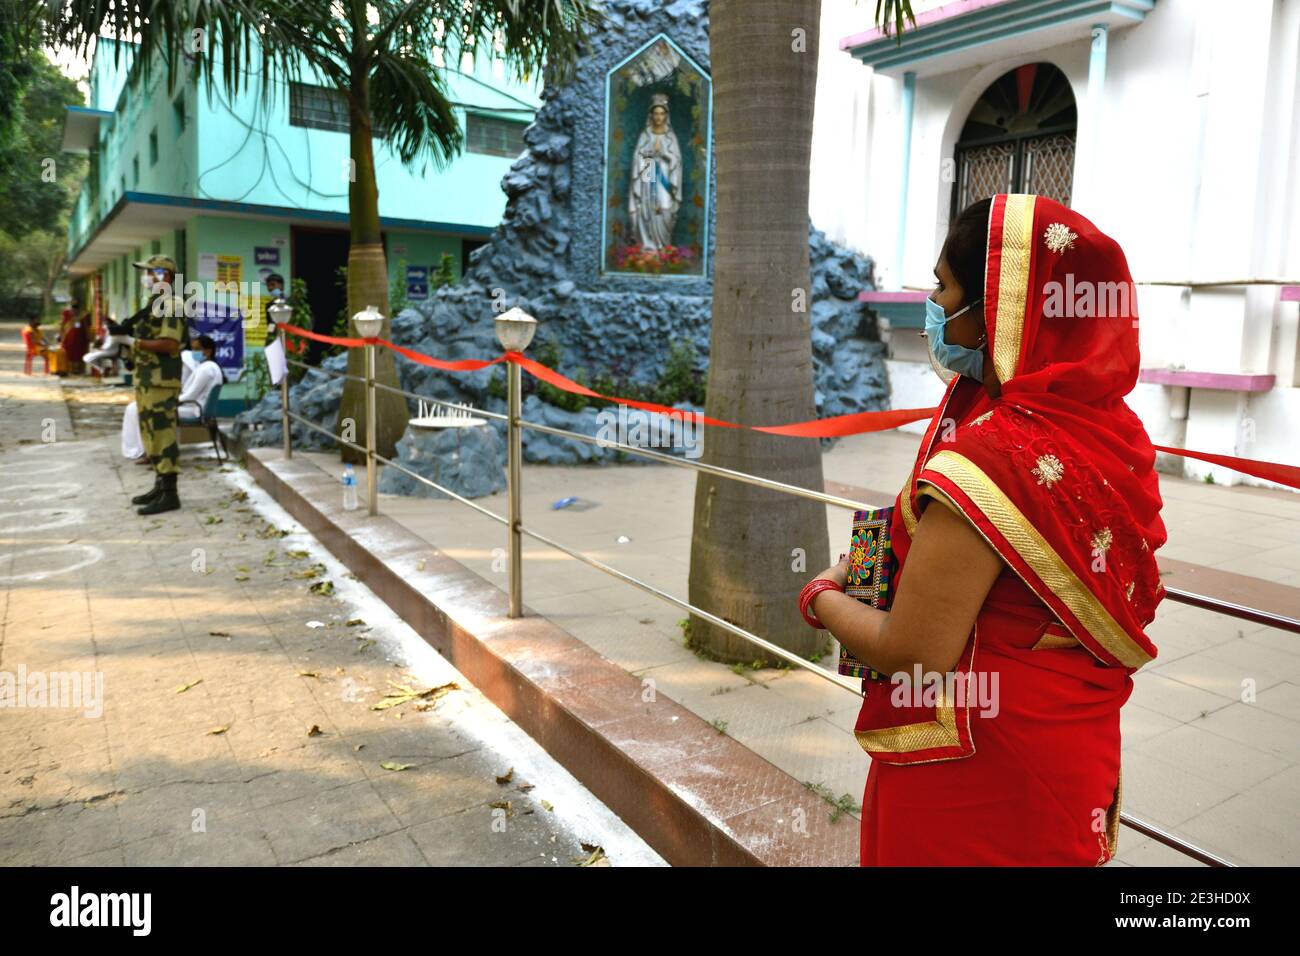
236	719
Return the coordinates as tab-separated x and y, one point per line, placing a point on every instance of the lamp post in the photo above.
368	322
280	312
515	330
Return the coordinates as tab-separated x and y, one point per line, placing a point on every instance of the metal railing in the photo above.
516	531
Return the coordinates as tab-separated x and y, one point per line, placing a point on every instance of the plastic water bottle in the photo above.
349	489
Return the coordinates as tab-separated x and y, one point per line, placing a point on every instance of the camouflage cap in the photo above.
157	262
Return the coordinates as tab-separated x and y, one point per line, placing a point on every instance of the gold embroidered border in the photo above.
1013	283
1112	817
905	502
1051	641
925	734
1040	556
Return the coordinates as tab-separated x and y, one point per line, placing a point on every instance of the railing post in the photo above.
284	414
514	474
514	331
372	488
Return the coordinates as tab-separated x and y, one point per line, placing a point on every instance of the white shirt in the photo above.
199	386
188	364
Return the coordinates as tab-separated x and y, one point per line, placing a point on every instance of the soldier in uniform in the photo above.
159	331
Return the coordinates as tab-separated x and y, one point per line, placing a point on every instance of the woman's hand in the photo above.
839	573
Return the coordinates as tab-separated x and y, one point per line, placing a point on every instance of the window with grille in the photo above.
492	136
1018	138
318	107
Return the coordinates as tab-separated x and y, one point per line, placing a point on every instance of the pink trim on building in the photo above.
1227	381
938	14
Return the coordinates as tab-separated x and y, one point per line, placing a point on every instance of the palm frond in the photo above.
409	102
890	15
530	34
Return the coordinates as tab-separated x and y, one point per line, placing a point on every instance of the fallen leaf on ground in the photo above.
506	777
212	519
354	622
364	644
546	805
314	731
405	694
596	856
217	634
218	730
504	805
308	674
323	588
391	765
184	687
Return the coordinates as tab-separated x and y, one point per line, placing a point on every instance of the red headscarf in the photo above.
1058	472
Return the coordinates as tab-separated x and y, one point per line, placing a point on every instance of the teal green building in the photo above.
236	188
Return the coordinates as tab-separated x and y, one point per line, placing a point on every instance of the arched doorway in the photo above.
1019	138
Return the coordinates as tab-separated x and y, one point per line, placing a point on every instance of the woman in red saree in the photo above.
73	336
1033	579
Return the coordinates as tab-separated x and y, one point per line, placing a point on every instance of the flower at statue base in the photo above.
641	259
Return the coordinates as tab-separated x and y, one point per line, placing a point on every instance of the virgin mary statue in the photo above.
655	192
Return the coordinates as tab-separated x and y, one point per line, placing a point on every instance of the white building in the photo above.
1174	125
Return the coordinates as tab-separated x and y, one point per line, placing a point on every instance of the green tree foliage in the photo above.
39	181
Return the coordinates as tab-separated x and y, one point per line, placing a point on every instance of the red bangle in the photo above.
809	592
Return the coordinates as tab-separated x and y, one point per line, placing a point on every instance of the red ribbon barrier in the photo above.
1268	470
837	426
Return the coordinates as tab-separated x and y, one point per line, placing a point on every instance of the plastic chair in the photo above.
207	417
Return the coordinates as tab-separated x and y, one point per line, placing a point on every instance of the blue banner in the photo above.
226	327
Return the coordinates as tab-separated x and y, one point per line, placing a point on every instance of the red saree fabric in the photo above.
1058	476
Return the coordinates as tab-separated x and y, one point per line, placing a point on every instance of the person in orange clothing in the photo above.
1025	541
34	344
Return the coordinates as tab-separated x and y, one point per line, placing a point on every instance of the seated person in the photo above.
205	375
116	345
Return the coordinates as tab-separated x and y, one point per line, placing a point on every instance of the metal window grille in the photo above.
318	107
494	137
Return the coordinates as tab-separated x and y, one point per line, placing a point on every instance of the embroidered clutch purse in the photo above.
870	575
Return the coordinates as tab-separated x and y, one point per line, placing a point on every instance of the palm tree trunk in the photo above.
368	285
747	542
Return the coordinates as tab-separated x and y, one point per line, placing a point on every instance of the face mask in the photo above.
197	355
956	359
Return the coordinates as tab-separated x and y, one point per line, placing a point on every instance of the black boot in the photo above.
152	493
167	499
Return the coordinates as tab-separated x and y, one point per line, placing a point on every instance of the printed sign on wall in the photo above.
417	283
230	269
266	256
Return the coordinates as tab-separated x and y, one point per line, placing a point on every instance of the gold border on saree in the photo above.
1041	557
